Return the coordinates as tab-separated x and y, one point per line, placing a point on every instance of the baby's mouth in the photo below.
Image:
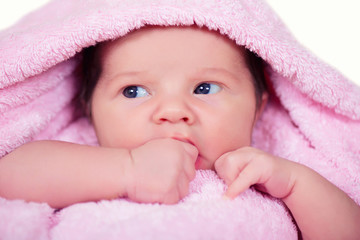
186	140
182	139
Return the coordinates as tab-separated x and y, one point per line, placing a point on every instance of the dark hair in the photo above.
91	70
256	66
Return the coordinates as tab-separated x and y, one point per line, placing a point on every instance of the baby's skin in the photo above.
170	101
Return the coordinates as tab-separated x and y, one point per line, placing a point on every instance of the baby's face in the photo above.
183	83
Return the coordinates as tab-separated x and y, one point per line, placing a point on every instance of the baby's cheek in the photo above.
210	156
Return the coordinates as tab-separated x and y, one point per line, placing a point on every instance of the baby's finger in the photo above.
183	186
248	177
229	165
189	161
172	197
192	151
189	169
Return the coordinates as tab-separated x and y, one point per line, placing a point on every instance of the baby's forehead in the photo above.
178	35
185	49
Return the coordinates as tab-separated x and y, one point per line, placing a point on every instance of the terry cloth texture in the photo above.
312	118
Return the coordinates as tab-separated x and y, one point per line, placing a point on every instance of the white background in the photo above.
329	28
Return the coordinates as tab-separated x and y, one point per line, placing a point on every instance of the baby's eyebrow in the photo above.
120	78
211	71
126	75
215	69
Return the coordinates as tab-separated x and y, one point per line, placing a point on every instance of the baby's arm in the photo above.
62	174
321	210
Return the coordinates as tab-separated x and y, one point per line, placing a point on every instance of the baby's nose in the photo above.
173	111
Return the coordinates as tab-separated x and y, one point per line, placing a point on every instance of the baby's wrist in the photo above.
127	173
302	177
119	171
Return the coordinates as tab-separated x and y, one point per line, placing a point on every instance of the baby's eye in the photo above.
135	92
207	88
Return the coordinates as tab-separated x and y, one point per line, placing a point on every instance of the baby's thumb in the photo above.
191	150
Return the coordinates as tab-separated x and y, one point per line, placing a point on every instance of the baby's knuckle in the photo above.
231	161
267	162
247	150
218	164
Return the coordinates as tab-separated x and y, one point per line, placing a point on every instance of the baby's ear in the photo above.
264	99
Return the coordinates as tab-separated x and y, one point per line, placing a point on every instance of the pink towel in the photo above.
313	119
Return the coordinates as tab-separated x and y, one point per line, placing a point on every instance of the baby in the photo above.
165	102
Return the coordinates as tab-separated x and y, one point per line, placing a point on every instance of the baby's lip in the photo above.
187	140
183	139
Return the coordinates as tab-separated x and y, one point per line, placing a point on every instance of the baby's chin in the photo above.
203	164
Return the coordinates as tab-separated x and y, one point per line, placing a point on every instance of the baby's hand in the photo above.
160	171
248	166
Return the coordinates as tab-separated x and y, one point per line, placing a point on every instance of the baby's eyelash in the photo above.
207	88
134	91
